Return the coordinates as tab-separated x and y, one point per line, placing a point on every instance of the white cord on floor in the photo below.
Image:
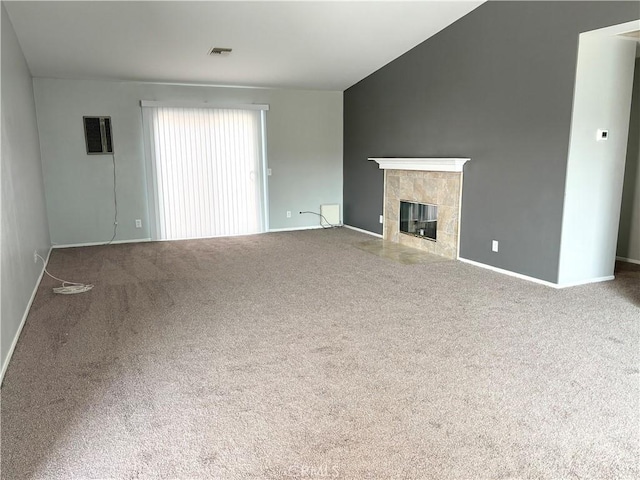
67	288
330	225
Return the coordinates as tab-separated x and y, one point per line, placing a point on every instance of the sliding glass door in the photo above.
207	171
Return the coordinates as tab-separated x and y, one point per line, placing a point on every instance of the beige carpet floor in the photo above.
298	355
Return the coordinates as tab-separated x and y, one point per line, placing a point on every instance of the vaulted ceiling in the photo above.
304	44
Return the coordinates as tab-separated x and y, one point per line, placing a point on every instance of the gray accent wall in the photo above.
497	87
304	152
23	215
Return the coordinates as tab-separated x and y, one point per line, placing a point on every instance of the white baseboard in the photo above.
628	260
587	281
536	280
24	319
363	231
509	272
294	229
93	244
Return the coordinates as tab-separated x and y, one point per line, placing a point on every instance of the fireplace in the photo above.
434	187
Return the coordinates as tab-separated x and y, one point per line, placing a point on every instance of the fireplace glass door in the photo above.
418	219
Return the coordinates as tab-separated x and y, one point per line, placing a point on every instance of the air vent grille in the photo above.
97	135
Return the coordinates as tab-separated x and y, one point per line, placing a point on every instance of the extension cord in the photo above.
71	289
67	288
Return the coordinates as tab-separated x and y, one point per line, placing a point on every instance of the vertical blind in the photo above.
207	171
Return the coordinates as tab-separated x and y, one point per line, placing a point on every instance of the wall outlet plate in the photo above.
602	135
494	245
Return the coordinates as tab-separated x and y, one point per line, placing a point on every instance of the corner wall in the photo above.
304	152
496	87
595	169
23	216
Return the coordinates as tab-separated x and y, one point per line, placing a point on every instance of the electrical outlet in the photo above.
494	245
35	256
381	219
268	172
288	213
138	223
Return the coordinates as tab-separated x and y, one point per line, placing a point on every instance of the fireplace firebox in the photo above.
419	219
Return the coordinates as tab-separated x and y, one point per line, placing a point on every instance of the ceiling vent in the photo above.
219	51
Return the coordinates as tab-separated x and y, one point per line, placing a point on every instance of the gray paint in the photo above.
304	150
23	217
496	86
629	232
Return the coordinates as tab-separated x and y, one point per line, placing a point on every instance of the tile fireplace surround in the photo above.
435	181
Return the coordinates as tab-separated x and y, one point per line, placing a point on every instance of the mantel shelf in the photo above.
424	164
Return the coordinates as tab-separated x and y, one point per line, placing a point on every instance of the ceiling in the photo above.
303	44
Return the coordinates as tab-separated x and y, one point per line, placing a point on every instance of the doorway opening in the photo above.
628	248
596	159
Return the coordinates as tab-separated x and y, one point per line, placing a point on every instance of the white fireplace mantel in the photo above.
424	164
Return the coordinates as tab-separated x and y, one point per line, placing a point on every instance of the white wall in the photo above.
23	218
304	150
602	99
629	233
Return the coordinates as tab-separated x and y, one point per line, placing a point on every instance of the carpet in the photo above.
299	355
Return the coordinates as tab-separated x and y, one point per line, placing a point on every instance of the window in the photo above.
207	171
